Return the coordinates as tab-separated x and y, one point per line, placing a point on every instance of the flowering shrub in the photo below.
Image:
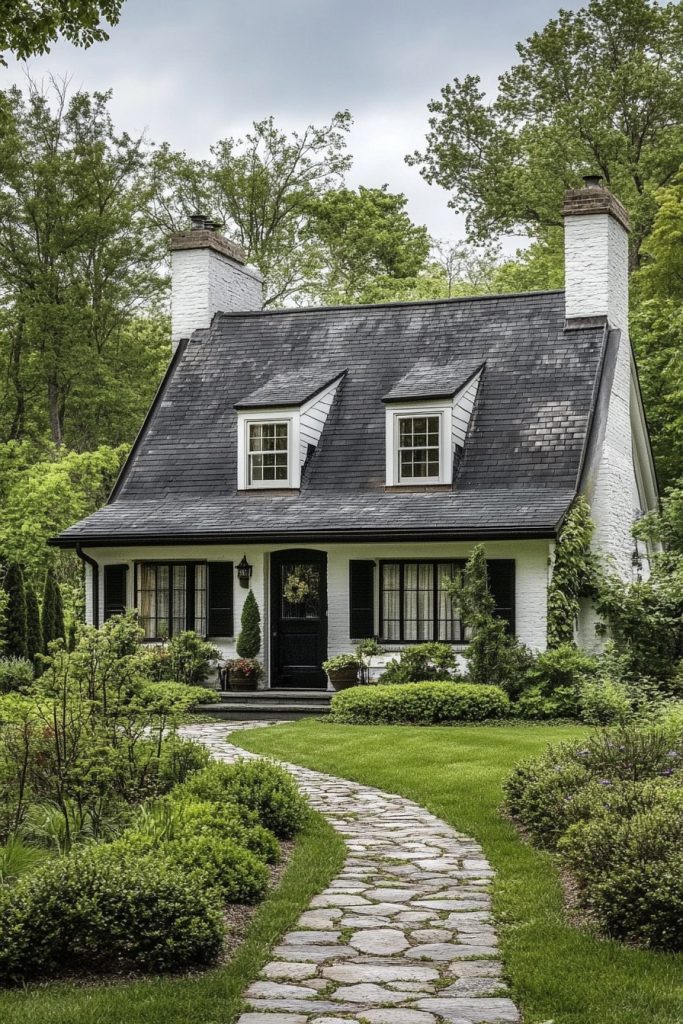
613	807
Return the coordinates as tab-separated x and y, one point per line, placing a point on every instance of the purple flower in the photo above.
605	782
667	771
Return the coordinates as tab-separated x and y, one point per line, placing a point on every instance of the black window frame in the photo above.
507	613
190	566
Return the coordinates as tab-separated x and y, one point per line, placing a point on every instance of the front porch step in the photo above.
268	705
264	710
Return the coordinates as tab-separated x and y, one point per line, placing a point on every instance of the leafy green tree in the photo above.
28	28
597	90
78	261
41	496
249	640
34	632
15	639
52	618
261	189
366	239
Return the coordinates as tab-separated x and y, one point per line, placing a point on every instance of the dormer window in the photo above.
419	443
268	454
427	418
279	426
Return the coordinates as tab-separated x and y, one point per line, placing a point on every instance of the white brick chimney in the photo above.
208	275
596	228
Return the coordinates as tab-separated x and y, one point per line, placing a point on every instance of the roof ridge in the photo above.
388	305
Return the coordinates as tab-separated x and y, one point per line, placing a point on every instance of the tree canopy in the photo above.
27	27
598	90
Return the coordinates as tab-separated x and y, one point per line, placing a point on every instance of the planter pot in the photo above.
242	681
342	678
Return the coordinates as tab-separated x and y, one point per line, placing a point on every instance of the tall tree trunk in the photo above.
54	411
16	431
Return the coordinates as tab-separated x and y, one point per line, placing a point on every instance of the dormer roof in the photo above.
429	379
290	388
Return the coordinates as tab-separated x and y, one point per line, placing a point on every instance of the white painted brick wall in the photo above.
596	284
204	282
531	580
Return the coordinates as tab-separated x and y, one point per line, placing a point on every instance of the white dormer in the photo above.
279	426
427	417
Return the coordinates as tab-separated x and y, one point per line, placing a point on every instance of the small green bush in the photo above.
259	786
603	701
425	703
182	818
562	666
15	674
536	705
100	909
420	663
221	864
630	867
249	639
539	793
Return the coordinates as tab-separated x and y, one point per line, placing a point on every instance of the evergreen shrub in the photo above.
426	703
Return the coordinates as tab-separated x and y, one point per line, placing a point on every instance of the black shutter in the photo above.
362	599
115	587
220	619
501	573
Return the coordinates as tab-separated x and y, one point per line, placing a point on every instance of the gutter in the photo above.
306	537
95	581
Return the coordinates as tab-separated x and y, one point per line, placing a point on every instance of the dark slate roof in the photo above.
293	387
427	379
517	475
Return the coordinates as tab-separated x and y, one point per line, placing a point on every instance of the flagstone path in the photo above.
403	935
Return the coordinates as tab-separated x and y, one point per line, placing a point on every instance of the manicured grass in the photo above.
211	998
558	973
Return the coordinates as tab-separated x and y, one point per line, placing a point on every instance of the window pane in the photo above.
391	601
146	600
418	447
200	599
179	573
449	623
268	452
163	581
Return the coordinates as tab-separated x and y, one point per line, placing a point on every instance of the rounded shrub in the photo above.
102	909
630	867
539	795
259	786
220	864
183	817
428	703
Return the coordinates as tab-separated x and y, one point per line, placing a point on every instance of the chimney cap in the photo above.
592	180
203	234
200	222
594	198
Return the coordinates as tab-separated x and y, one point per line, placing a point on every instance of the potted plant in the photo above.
342	670
244	673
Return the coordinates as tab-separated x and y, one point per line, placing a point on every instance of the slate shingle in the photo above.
517	473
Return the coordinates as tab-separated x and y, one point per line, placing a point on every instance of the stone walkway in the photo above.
402	936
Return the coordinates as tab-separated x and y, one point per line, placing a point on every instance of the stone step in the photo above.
263	711
277	696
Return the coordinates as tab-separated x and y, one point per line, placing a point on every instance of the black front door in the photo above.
298	587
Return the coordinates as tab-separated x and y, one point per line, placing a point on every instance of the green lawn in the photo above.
558	973
210	998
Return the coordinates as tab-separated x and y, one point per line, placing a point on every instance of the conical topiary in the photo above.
53	612
34	632
249	640
15	613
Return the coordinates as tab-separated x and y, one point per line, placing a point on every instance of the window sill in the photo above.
417	488
269	491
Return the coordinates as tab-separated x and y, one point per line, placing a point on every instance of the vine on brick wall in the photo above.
576	573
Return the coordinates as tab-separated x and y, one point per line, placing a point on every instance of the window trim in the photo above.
402	562
411	410
247	419
189	596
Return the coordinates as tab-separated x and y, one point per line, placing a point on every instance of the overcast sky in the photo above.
191	73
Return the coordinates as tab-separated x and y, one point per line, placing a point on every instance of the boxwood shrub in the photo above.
259	786
104	910
428	703
221	864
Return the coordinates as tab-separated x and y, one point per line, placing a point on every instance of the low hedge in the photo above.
99	909
429	703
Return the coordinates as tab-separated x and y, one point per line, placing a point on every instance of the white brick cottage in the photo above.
363	451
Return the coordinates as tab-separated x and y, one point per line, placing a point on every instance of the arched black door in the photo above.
298	619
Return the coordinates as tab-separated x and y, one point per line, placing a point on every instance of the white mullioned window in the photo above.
419	444
268	454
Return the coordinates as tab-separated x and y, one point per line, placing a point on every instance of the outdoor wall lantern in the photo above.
244	571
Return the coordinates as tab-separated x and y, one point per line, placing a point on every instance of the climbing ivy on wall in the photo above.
575	573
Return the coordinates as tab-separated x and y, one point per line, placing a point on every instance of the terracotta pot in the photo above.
242	681
342	678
